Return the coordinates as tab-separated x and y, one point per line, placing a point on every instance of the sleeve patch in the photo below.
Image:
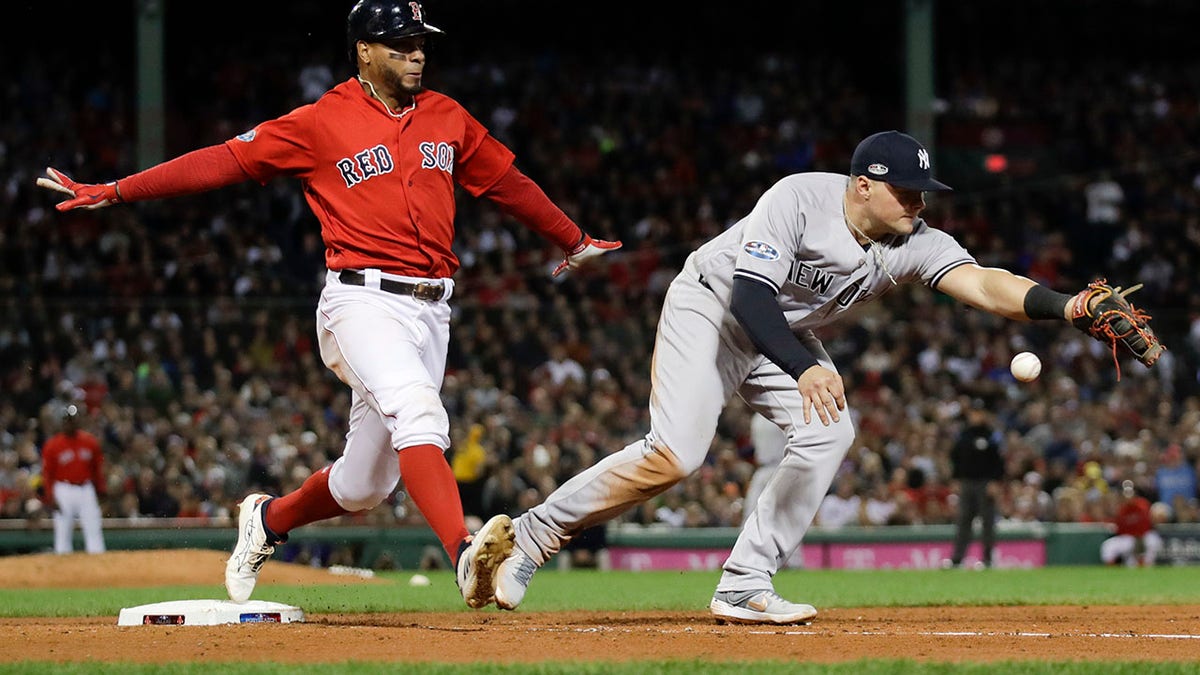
761	250
248	136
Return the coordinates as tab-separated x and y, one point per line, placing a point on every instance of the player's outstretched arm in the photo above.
993	290
1100	310
197	171
518	196
80	195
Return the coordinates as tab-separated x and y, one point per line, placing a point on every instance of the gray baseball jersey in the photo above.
797	241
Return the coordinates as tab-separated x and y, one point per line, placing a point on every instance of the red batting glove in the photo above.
83	195
588	248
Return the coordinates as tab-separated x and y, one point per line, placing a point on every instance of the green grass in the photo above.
553	590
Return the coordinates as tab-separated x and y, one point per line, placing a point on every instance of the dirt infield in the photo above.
1159	633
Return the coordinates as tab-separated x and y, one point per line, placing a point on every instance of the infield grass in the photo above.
553	590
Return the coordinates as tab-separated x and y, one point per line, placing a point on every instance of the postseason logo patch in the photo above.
248	136
761	250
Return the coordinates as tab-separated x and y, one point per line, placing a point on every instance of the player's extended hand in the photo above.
585	249
83	195
1105	313
824	392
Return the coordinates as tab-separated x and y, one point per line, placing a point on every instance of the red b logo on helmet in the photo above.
416	10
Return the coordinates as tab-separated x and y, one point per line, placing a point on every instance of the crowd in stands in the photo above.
186	326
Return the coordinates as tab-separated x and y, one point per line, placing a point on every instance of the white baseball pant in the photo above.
77	502
391	350
1125	546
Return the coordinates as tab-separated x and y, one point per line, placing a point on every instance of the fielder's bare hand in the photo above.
824	392
585	249
83	195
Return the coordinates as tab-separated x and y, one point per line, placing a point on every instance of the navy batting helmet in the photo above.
384	21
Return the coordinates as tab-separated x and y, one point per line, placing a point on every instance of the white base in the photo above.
208	613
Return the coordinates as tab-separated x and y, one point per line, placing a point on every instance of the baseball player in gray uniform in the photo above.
739	319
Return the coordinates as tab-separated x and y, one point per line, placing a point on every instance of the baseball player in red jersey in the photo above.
73	476
1135	541
378	157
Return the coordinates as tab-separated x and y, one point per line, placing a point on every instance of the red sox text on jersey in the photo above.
380	183
378	161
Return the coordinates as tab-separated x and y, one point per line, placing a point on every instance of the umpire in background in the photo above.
977	468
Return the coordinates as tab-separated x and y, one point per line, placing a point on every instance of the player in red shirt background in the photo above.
73	476
378	157
1135	541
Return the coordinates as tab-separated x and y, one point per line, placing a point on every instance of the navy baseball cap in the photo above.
896	159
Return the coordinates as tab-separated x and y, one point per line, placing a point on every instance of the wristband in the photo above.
1043	303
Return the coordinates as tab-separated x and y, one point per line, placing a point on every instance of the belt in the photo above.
430	291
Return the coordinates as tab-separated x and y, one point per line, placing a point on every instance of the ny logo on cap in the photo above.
923	158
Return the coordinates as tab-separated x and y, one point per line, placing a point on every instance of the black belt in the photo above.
430	291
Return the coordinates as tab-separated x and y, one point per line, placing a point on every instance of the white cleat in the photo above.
252	549
512	579
477	565
758	607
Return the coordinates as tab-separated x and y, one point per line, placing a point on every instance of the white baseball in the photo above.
1026	366
419	580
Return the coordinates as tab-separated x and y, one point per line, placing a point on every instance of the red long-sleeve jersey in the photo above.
1133	517
72	458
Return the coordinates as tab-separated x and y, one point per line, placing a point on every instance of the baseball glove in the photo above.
1104	312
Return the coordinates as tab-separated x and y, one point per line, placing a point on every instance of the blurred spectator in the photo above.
469	464
1175	478
561	369
878	507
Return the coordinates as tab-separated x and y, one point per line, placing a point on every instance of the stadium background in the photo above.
186	325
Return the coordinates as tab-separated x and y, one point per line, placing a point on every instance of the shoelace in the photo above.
525	570
257	558
771	595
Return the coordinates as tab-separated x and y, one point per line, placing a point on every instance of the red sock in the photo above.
312	502
430	482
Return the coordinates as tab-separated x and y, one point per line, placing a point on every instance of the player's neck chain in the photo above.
871	243
388	108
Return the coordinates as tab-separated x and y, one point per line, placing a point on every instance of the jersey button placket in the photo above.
412	213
